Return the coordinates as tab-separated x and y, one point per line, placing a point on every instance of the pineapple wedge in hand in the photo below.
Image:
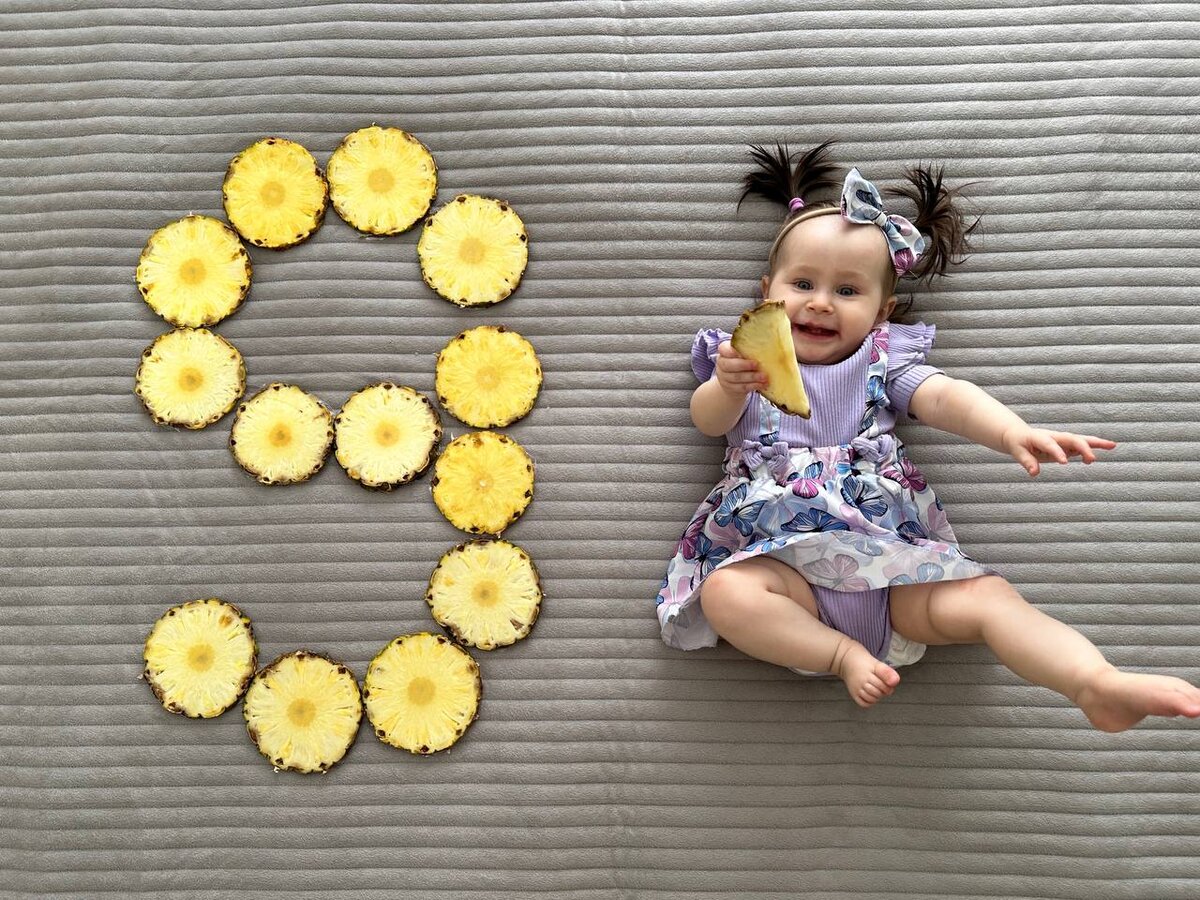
764	334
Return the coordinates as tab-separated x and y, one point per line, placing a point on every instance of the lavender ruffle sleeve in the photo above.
704	351
908	347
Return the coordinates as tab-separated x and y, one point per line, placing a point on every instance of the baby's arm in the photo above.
718	403
965	409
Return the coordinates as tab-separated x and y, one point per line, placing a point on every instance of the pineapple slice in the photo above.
482	482
488	377
764	334
303	711
486	593
473	250
199	657
194	271
422	692
381	180
386	435
282	434
274	193
190	377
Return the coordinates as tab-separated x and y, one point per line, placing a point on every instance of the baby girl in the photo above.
823	548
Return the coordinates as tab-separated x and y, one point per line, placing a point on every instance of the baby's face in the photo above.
830	273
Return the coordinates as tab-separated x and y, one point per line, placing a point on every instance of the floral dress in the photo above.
852	519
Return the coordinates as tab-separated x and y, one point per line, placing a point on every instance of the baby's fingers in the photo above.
1082	444
734	363
1049	444
1027	460
741	364
726	351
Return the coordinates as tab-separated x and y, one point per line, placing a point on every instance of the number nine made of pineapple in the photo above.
195	271
421	691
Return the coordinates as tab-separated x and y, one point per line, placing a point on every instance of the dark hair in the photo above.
779	177
939	218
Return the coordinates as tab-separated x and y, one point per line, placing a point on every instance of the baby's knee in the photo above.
725	596
959	610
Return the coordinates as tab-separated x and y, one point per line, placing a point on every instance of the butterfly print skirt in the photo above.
854	517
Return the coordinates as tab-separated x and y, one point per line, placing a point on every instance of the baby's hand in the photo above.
1032	446
736	373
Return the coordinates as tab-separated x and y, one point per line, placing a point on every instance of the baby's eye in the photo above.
847	291
803	285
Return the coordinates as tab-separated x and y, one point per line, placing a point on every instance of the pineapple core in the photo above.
421	691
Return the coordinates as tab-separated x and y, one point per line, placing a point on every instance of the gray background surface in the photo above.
603	765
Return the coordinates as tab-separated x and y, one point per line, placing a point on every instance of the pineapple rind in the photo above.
222	634
764	334
422	728
488	377
410	167
513	586
262	166
483	482
308	421
334	703
410	419
166	363
163	271
499	239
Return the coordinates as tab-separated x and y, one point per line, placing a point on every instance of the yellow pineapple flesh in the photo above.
282	434
486	593
194	271
764	334
274	193
473	250
386	435
190	377
422	692
199	657
483	482
303	711
381	180
488	377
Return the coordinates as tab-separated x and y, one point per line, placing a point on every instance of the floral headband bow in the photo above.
862	203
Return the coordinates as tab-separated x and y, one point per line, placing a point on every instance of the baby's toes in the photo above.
864	698
1188	703
888	677
1189	691
872	691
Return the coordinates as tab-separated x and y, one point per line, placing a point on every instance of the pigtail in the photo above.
777	179
939	219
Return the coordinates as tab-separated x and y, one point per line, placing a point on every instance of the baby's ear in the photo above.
766	286
885	311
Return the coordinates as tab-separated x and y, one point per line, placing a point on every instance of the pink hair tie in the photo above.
796	205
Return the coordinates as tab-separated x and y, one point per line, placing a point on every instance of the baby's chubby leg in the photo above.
1037	647
764	608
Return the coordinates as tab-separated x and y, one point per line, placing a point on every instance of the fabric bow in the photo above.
874	449
777	456
862	203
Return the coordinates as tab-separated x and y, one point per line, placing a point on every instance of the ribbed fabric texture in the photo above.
604	765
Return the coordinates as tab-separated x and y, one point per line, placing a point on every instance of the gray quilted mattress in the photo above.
603	765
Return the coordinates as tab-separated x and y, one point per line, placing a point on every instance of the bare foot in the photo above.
1114	700
867	679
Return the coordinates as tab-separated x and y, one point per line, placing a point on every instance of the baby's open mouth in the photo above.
814	331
